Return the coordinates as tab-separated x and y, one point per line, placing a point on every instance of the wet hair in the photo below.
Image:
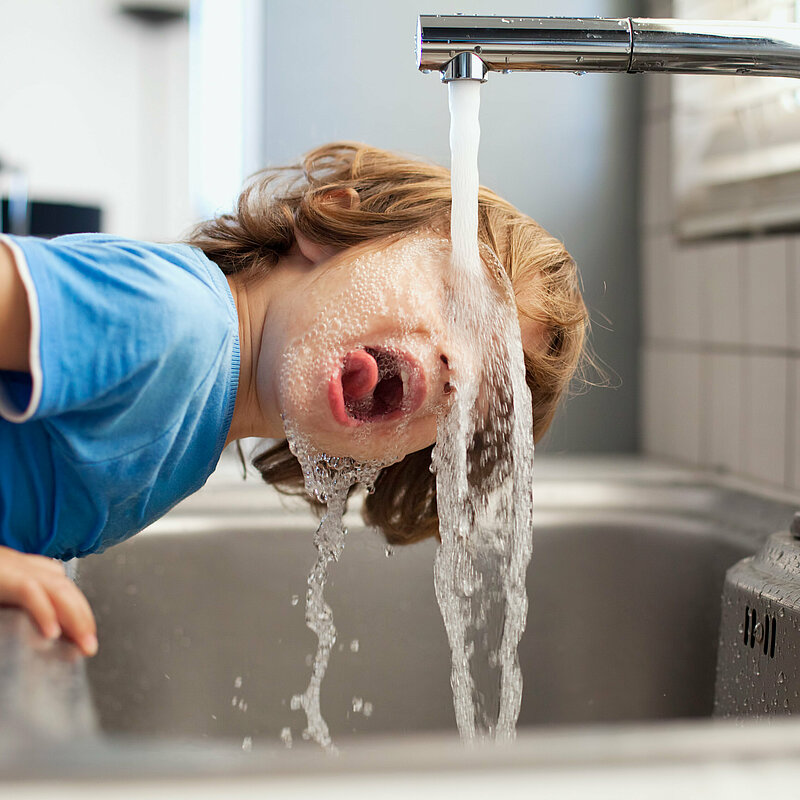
401	195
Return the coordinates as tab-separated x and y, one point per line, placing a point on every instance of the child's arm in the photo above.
15	323
40	586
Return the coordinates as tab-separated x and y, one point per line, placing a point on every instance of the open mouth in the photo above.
375	385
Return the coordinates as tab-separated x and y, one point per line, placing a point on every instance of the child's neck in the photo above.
258	303
251	306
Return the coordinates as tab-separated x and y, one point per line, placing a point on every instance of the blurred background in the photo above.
141	118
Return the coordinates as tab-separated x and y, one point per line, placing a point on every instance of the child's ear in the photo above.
313	251
316	253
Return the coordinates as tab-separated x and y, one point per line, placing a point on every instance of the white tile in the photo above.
659	8
656	174
657	286
657	95
764	418
685	293
793	425
793	278
683	402
765	292
654	398
723	293
672	288
671	404
724	412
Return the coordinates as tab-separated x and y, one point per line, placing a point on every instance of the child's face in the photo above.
365	363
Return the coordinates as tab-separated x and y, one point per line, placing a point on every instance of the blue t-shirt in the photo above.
134	371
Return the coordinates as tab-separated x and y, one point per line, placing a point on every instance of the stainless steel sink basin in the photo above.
202	618
203	644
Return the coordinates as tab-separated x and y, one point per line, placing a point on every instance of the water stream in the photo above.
483	462
327	479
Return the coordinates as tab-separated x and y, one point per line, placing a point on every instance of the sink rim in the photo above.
31	755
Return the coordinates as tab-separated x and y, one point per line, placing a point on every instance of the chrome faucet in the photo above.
465	47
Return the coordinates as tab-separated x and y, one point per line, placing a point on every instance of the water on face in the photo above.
372	291
483	461
384	294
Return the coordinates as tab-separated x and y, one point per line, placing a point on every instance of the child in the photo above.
126	367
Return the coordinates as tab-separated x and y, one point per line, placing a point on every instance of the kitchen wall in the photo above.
94	106
721	340
562	148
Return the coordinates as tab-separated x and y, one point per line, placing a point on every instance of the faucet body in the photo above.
468	47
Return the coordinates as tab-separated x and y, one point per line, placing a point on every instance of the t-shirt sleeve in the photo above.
20	391
102	316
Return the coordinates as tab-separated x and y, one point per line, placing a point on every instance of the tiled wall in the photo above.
720	334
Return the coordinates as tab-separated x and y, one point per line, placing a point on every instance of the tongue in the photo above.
359	375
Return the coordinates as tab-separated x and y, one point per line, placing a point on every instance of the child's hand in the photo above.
40	586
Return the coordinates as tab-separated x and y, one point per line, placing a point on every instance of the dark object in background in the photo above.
154	15
56	219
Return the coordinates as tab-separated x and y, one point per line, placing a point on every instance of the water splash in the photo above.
328	479
286	737
483	461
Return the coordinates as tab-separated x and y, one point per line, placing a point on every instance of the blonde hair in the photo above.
398	195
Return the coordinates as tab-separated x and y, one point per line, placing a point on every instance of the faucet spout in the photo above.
465	66
468	47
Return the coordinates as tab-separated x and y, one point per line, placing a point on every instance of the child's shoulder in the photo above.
170	271
111	249
109	309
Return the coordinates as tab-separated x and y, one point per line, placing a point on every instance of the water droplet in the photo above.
389	551
237	683
367	709
295	599
354	646
286	737
358	704
247	744
781	677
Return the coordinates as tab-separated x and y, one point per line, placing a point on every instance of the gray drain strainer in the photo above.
758	670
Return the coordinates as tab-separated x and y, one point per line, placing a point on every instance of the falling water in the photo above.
483	461
328	479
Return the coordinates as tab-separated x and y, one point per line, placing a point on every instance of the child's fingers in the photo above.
74	613
40	586
28	593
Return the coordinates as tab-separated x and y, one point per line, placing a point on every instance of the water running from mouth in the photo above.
483	461
328	479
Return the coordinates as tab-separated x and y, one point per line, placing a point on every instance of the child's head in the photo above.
365	208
